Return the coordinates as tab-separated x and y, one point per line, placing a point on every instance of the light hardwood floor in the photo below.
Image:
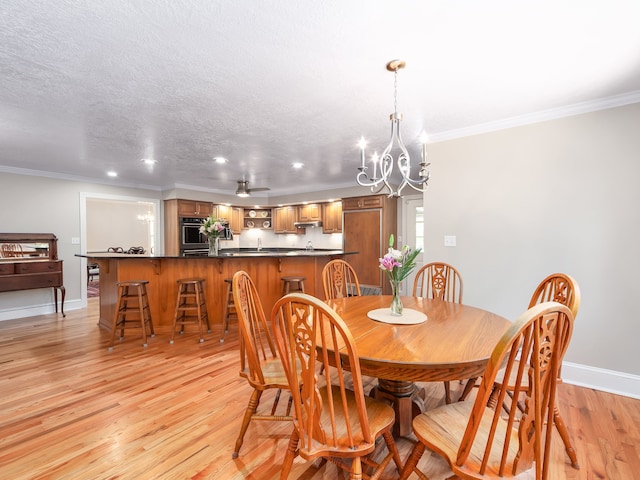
70	409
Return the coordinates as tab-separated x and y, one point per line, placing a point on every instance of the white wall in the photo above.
561	196
50	205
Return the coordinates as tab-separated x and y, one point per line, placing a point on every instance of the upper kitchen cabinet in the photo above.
231	214
310	212
332	217
194	208
284	219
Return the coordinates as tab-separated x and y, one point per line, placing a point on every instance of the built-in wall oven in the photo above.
191	240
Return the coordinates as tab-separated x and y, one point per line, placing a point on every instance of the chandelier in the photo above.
383	165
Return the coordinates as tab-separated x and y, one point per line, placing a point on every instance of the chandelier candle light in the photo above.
398	264
386	160
213	228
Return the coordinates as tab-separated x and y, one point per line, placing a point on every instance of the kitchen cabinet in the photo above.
284	219
310	212
231	214
194	208
332	217
258	218
367	223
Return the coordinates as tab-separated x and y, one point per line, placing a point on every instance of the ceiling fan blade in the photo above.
258	189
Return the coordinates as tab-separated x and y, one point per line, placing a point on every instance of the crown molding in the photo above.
541	116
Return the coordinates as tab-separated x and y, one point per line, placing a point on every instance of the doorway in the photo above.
412	214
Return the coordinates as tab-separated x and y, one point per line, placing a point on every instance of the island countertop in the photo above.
230	252
266	268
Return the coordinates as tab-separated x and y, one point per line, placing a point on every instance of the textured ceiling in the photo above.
90	86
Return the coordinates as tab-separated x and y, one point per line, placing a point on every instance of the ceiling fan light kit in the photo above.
244	191
386	161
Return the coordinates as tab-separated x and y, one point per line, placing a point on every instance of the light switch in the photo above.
449	240
75	240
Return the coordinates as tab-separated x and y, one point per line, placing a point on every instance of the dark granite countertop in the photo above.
231	253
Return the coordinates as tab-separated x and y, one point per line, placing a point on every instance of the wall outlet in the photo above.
75	240
449	240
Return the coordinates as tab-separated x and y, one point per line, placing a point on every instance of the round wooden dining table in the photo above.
454	343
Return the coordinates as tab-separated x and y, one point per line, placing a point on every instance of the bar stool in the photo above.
293	283
132	302
229	309
191	307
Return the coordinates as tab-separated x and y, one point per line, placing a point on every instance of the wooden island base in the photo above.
163	272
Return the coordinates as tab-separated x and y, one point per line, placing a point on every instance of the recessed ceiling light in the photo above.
297	164
220	160
148	161
112	174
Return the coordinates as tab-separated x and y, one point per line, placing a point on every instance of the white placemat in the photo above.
408	317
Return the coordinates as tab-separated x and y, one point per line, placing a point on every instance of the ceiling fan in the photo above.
243	189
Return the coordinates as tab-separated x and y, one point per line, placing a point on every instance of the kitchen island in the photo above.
265	266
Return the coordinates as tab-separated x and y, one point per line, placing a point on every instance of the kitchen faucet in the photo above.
259	244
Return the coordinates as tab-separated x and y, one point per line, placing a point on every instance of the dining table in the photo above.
432	341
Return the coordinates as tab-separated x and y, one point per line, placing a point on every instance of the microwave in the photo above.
190	235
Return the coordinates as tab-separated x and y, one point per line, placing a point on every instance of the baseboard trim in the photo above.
610	381
45	309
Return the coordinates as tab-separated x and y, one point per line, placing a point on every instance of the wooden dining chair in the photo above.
259	362
561	288
440	281
330	420
476	440
339	280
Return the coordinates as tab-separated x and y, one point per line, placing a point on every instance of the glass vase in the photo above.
214	246
396	302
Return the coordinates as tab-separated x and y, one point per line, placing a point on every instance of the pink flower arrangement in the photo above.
212	227
398	264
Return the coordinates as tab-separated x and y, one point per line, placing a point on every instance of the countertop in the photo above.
266	252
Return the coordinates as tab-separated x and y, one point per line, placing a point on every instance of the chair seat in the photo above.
381	418
442	429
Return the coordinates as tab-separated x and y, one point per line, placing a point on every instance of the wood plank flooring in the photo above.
70	409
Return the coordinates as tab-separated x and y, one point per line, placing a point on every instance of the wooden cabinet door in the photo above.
370	201
284	219
332	217
235	222
309	213
192	208
362	232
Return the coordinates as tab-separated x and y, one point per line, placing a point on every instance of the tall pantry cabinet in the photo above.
367	223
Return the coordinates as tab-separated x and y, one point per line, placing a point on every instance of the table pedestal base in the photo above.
407	401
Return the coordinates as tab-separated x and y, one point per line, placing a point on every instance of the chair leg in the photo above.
292	450
356	469
412	462
246	420
447	393
393	449
564	434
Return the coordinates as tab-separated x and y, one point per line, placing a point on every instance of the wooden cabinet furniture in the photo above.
284	219
367	224
33	264
332	217
311	212
231	214
194	208
258	218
